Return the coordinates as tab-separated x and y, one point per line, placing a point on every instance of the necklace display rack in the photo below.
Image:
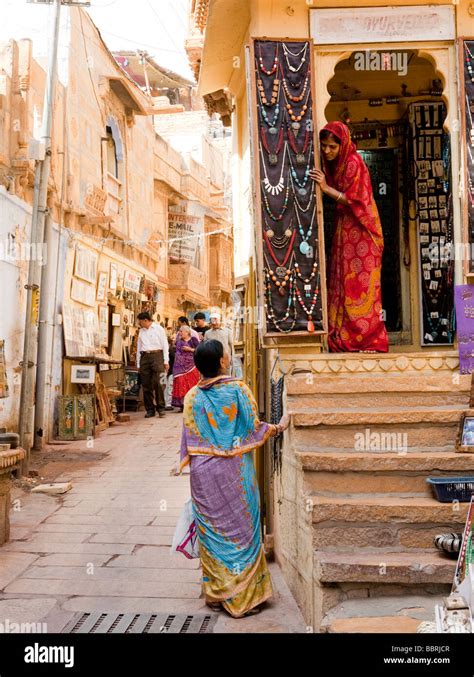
430	169
289	224
468	55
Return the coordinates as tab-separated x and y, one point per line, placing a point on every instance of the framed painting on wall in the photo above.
85	264
113	277
76	417
102	286
104	325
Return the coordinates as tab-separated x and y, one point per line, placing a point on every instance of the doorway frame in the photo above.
444	58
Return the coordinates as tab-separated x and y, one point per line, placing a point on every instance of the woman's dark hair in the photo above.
326	135
207	357
183	320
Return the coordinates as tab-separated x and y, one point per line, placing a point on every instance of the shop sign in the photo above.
382	24
464	301
132	281
186	224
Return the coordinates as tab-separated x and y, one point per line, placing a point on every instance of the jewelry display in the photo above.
283	85
430	168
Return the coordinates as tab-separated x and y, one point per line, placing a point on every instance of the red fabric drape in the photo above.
354	293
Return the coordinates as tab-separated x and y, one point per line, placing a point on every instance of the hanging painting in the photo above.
290	230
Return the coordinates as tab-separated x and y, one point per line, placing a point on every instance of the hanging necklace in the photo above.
275	61
281	270
281	276
469	66
275	92
294	97
272	156
301	183
268	186
296	55
270	123
278	241
308	309
304	246
295	197
270	312
300	154
294	117
471	124
283	209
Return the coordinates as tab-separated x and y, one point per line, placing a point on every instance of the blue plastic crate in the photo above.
448	489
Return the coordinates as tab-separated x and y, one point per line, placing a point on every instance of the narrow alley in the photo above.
104	546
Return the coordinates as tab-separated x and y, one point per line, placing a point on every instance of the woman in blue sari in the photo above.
220	428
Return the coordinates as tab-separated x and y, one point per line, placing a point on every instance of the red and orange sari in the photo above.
354	292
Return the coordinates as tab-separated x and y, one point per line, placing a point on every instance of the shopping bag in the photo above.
185	538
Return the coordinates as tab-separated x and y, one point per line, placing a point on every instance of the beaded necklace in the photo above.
270	123
273	189
304	246
295	97
270	312
278	241
275	92
295	197
468	59
300	158
275	61
301	183
283	209
308	309
281	270
287	52
296	117
272	155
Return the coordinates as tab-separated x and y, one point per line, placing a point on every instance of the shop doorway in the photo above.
374	93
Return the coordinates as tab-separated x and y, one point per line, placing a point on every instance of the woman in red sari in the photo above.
354	293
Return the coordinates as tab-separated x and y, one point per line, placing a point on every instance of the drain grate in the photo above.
131	623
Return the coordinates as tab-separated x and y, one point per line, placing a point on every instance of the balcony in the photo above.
186	278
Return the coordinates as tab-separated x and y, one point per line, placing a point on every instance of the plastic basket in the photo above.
448	489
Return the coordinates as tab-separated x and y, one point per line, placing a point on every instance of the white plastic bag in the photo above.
185	538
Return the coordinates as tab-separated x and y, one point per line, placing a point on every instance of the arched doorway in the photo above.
378	93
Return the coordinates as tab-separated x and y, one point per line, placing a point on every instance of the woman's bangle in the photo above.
339	197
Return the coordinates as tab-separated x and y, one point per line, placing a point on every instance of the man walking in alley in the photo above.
153	363
221	334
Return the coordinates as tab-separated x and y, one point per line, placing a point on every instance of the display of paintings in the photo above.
116	320
102	286
104	325
81	331
76	417
132	281
429	150
83	373
82	292
465	436
113	277
289	204
85	264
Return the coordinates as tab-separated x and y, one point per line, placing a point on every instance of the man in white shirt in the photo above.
153	363
221	334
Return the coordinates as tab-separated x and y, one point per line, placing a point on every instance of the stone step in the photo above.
378	383
375	400
373	537
388	416
398	510
410	437
388	614
367	473
383	568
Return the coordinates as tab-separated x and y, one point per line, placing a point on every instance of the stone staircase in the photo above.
366	434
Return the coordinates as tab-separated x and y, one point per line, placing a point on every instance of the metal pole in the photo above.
29	366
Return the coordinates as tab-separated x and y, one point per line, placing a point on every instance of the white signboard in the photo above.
186	224
382	24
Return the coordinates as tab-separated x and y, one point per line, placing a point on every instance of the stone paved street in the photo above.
104	545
